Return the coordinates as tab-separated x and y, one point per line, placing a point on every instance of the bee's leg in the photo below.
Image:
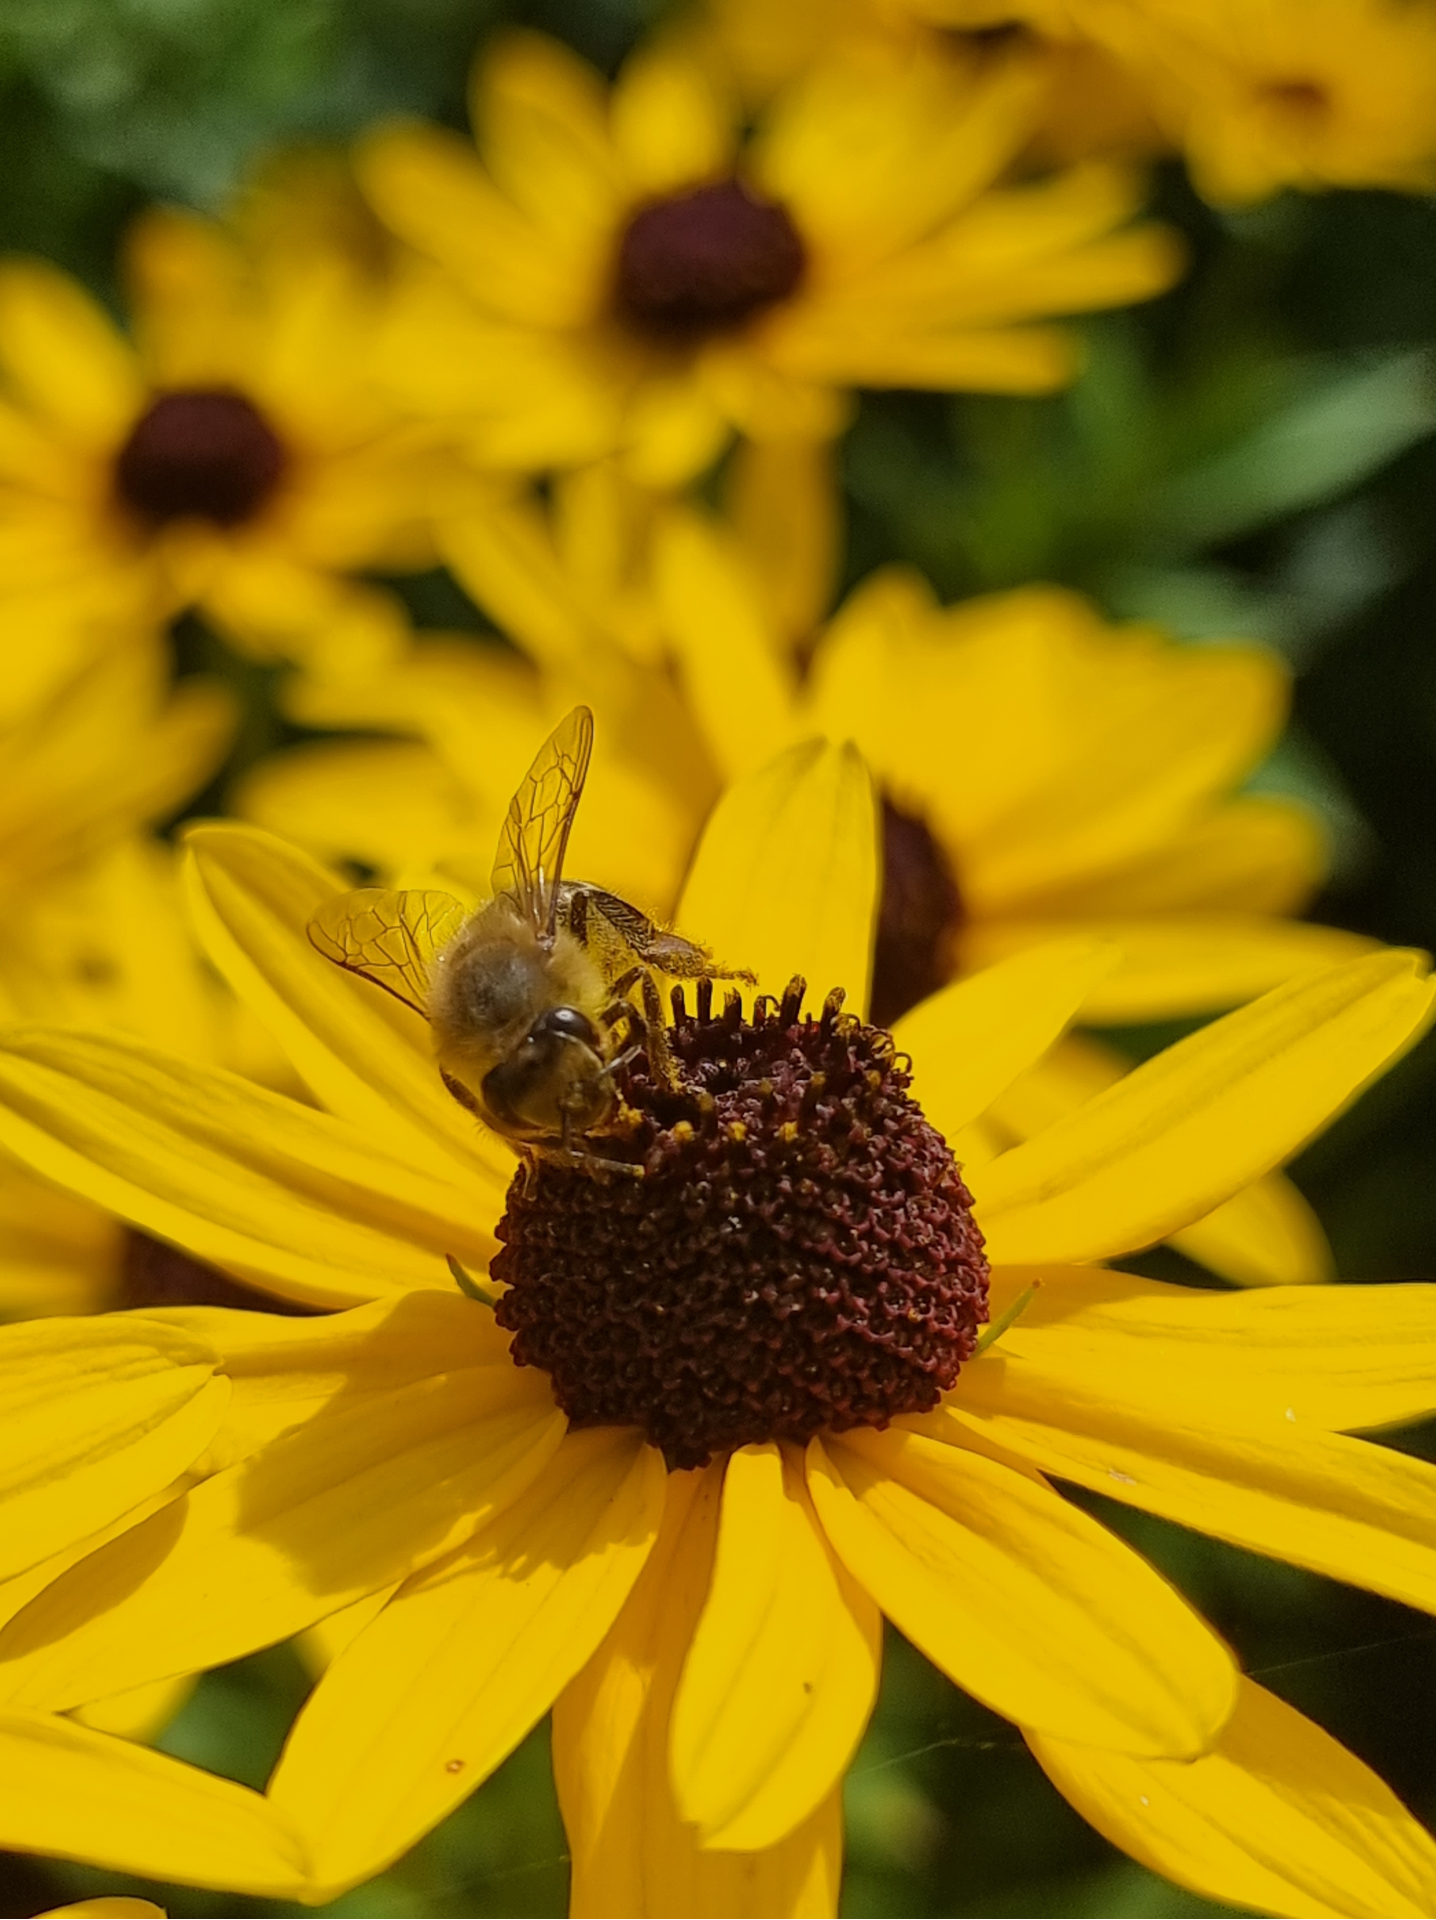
660	1053
461	1094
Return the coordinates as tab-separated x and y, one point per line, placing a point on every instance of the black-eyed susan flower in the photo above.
1042	773
624	272
231	452
1294	93
750	1412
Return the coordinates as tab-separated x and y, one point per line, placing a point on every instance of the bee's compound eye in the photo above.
567	1021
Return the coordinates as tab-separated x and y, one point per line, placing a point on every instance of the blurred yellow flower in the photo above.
93	931
1262	94
708	1634
1087	103
230	454
1041	772
625	272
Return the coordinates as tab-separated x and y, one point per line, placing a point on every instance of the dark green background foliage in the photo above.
1251	455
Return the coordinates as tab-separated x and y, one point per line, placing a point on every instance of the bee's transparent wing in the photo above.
529	863
390	938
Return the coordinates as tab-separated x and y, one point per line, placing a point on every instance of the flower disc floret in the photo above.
203	453
705	261
798	1255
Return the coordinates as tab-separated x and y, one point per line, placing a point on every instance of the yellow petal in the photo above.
67	1791
1336	1360
109	1906
1267	1235
632	1855
782	502
1278	1818
1181	963
427	1701
272	1191
1020	1598
95	1416
785	877
783	1670
543	115
971	1041
141	1714
283	1371
1257	854
1343	1507
672	125
365	1055
730	657
1188	1128
427	184
64	358
378	1484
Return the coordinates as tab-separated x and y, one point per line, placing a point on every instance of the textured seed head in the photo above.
799	1254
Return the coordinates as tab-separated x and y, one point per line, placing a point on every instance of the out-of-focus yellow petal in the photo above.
109	1906
272	1191
365	1055
428	185
95	1416
67	1791
361	1495
973	1039
611	1758
782	503
140	1714
1265	1236
783	1669
1337	1360
1342	1507
785	877
1179	964
673	429
542	114
1020	1598
63	357
425	1703
1185	1130
1278	1818
672	125
1256	854
729	655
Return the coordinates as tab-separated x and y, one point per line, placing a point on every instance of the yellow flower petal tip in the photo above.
112	1906
785	878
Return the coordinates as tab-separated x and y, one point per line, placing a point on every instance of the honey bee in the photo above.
529	996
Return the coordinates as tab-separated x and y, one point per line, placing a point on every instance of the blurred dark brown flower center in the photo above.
1302	99
201	453
703	262
799	1255
920	912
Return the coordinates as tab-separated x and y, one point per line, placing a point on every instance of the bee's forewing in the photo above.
529	862
389	937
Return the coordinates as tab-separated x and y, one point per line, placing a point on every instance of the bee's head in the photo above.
555	1084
